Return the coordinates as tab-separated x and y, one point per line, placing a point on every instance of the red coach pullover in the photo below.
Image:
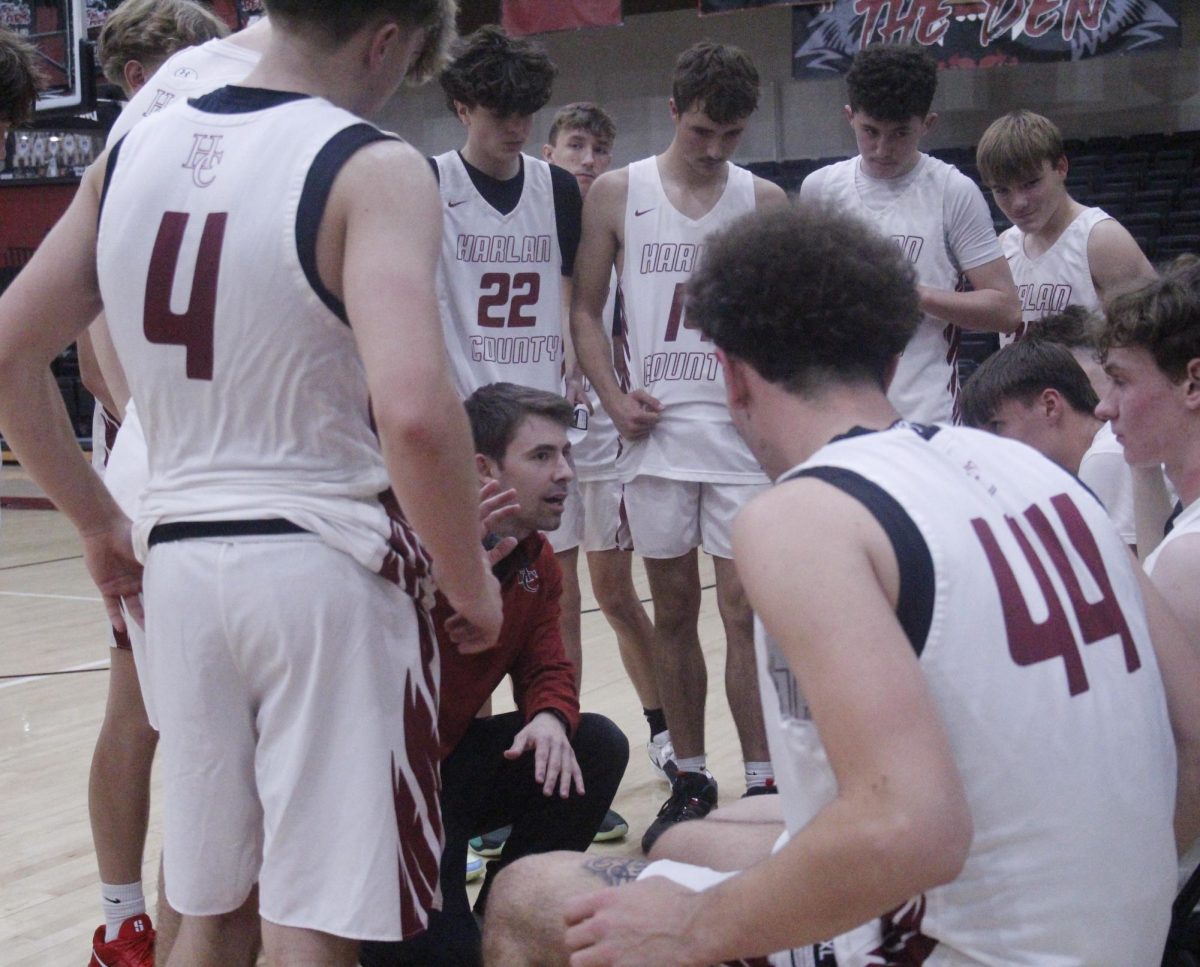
530	648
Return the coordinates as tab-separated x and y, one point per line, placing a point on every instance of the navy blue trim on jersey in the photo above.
109	167
1175	512
914	606
234	99
505	195
188	530
325	167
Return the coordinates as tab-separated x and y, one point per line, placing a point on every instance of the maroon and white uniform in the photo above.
500	281
938	218
687	479
1024	609
1061	276
284	595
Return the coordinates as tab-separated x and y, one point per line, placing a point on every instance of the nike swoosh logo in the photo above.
642	212
455	204
109	899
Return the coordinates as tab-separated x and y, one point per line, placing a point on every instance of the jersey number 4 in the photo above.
193	328
678	315
1031	641
516	292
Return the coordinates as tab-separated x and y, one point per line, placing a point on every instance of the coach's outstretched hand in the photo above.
554	762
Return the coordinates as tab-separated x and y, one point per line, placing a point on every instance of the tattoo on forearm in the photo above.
614	870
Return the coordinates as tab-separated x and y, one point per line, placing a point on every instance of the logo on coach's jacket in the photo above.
528	576
205	155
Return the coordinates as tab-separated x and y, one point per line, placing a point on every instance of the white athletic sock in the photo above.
120	902
661	738
759	774
693	763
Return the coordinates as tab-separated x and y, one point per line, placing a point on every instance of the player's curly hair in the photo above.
150	31
892	83
1161	316
506	75
20	78
805	296
720	79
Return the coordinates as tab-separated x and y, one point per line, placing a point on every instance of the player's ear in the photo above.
930	122
1191	385
135	75
847	112
1051	404
382	40
547	152
486	468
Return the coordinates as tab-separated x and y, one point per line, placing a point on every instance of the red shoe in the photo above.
133	946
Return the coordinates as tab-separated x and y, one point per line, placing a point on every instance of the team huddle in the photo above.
361	415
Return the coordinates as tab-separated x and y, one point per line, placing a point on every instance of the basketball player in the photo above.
266	520
938	691
581	141
1036	392
508	248
119	781
686	472
934	212
19	82
1151	350
545	769
1060	252
141	34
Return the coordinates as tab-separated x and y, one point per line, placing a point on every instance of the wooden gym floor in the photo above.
53	680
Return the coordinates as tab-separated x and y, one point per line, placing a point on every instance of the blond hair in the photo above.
150	31
1014	147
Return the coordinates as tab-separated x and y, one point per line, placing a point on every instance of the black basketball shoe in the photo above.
693	796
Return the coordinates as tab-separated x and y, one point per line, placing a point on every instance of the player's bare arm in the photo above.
767	194
993	306
1174	615
899	824
45	309
1115	259
377	249
635	414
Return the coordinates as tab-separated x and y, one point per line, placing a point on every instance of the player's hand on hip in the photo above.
636	414
475	624
109	557
554	762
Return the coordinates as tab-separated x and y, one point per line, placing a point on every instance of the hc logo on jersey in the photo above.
528	577
205	155
161	99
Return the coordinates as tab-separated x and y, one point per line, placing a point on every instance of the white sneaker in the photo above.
662	758
474	867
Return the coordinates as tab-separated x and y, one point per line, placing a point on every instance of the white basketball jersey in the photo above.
1039	659
595	455
1188	522
695	439
925	387
250	387
189	72
500	281
1059	277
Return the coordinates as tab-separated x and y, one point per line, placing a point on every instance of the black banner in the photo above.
981	33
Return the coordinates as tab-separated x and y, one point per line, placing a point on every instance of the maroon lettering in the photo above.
678	316
1041	18
1030	641
192	329
902	21
1001	16
1082	12
518	292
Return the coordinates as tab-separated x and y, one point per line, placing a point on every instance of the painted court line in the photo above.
87	666
53	597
